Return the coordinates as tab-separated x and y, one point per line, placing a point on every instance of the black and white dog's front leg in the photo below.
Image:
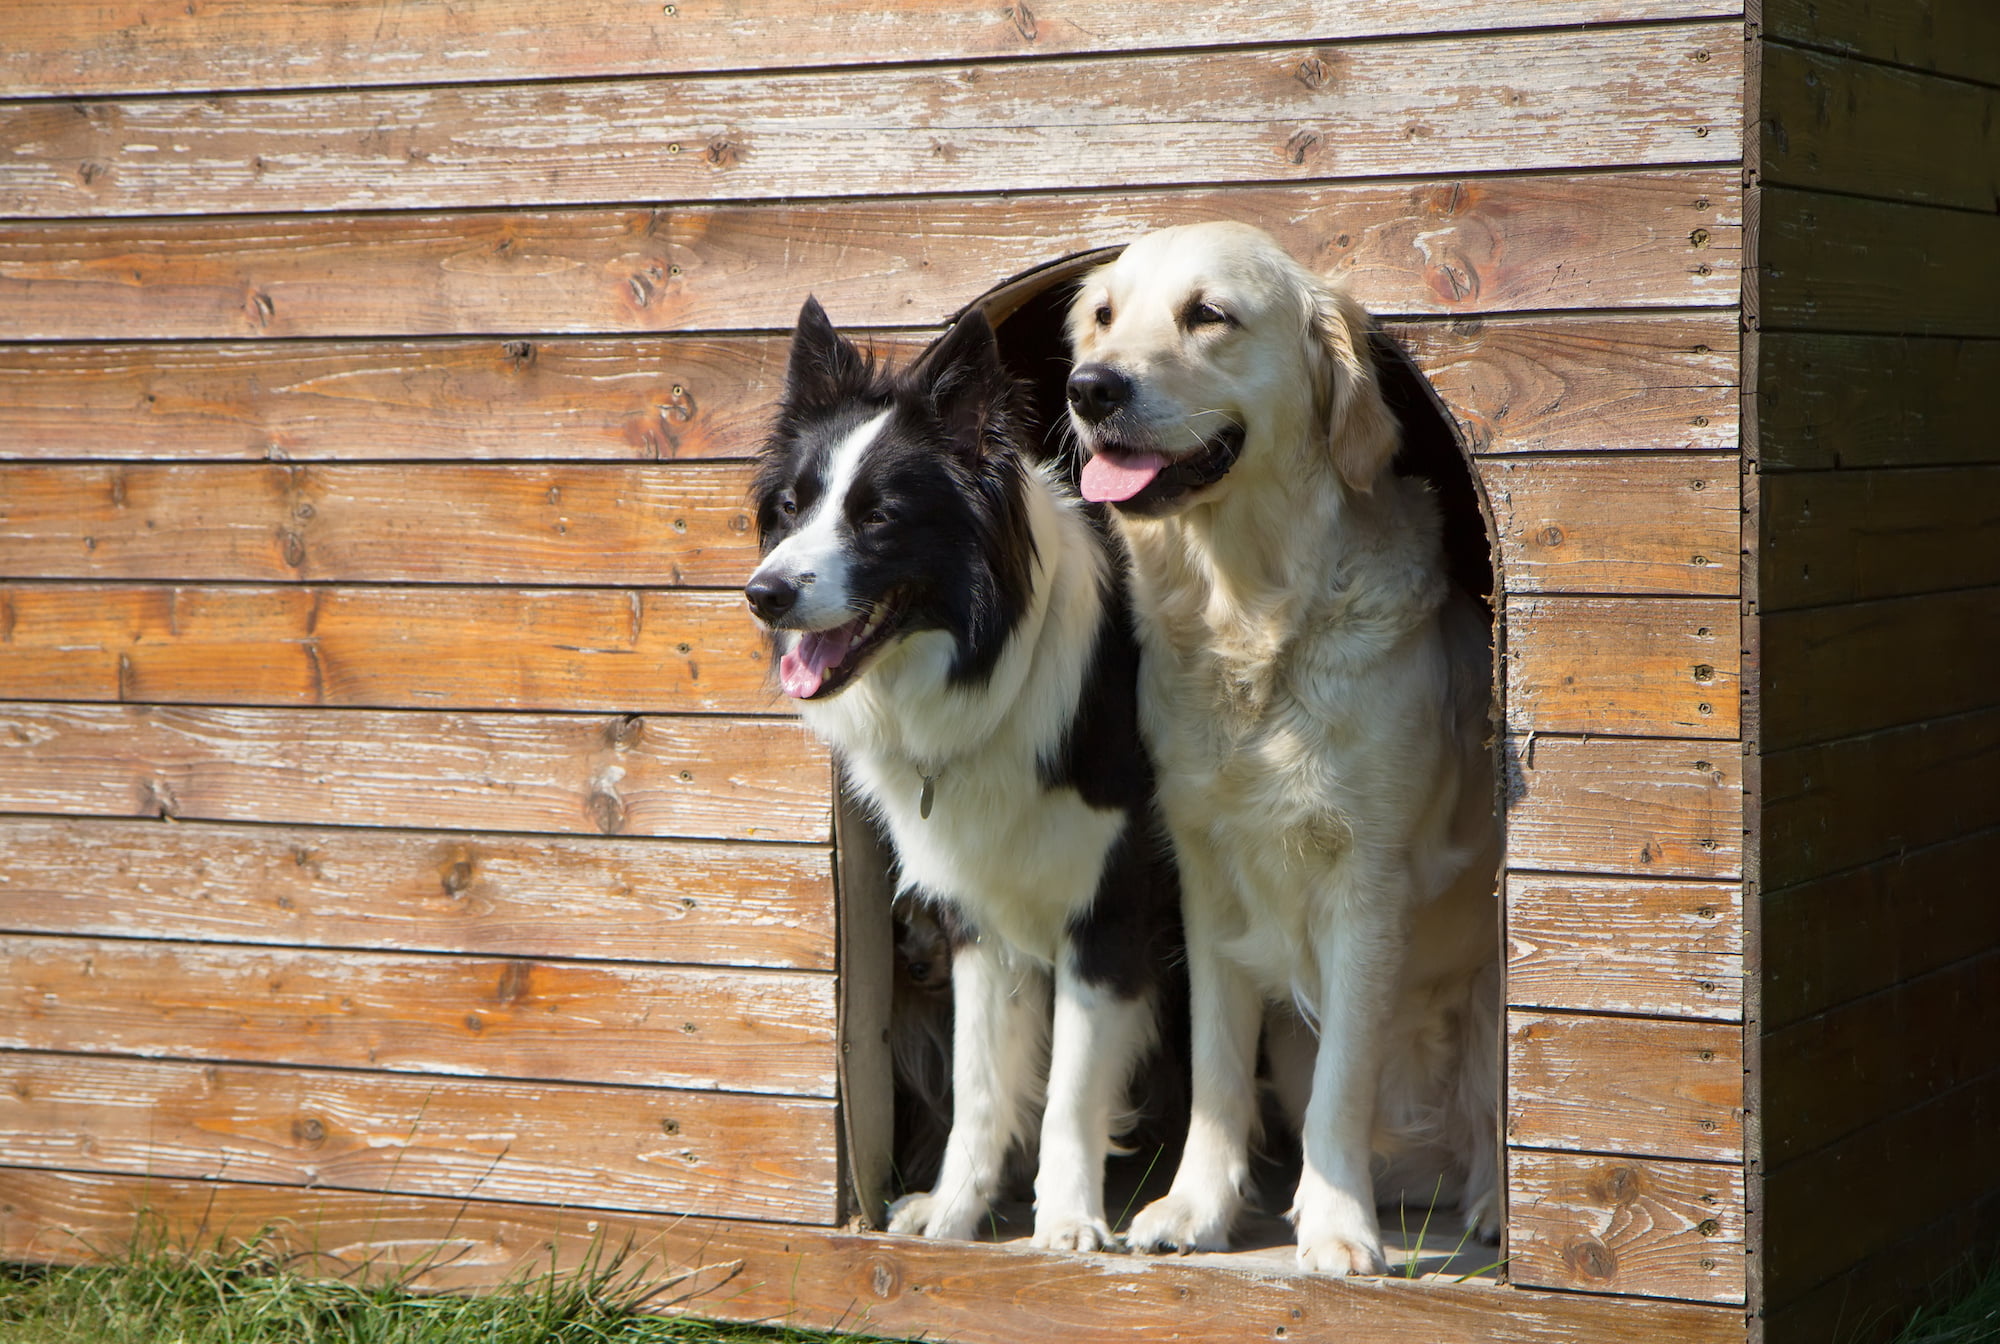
1099	1035
999	1042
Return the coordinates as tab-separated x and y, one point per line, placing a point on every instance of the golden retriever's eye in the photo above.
1103	314
1201	314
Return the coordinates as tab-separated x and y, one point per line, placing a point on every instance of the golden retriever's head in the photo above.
1207	357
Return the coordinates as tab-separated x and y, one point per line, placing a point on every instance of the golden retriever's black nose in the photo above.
770	597
1096	390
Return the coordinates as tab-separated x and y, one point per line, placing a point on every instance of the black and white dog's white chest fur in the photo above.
950	622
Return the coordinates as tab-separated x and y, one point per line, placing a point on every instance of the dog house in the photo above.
400	847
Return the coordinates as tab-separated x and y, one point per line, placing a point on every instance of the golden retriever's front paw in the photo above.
1340	1255
925	1214
1072	1232
1177	1223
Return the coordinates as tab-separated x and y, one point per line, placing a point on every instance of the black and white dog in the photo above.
949	620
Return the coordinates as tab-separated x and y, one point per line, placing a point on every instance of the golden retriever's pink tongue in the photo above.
802	670
1106	480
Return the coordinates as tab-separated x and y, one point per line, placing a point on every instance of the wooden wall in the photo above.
1878	303
383	752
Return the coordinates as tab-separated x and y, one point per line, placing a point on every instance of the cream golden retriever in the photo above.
1316	699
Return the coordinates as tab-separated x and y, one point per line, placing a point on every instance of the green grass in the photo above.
246	1297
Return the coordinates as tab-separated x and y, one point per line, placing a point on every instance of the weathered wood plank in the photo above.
1522	385
427	648
1627	1085
1844	804
1631	667
1603	524
715	1153
1625	1225
757	779
492	895
135	47
1873	401
1489	245
1853	536
1607	98
1915	1168
1837	1072
1951	37
635	399
897	1286
1610	805
1611	945
1833	123
1832	672
1871	928
560	1021
1840	263
623	524
1546	385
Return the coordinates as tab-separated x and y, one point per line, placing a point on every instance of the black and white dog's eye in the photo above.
876	518
788	505
1103	314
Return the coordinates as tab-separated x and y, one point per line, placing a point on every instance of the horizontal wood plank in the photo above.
1843	804
1841	263
1835	123
714	1153
649	1026
1874	927
431	648
1856	535
1612	945
1917	1167
1827	401
492	895
1837	1072
1631	525
1609	805
1520	385
133	47
640	399
717	778
1628	1085
1607	98
624	524
1957	37
1626	1225
1833	672
1491	245
1630	667
897	1286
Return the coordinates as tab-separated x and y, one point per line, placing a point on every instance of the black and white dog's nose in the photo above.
770	597
1096	390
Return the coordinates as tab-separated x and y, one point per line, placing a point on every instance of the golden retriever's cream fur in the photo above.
1317	701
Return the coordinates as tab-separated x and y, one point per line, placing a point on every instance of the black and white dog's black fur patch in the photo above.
949	620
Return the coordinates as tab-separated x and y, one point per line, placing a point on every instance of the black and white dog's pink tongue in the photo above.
804	667
1106	480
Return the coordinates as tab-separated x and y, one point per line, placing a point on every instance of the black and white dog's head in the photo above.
890	505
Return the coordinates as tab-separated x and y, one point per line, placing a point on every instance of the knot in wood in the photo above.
1620	1184
1590	1258
885	1278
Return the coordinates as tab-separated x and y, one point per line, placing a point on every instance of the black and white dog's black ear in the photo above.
825	367
965	381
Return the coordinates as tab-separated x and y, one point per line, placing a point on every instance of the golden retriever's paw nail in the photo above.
1170	1225
1077	1233
1337	1255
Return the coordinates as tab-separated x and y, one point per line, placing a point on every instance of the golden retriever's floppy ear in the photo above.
1362	434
